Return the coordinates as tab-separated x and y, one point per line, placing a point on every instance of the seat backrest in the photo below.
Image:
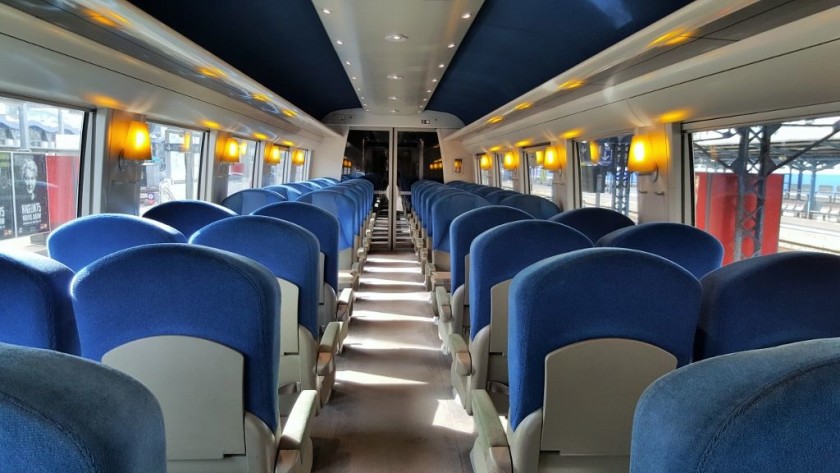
247	200
536	206
37	311
84	240
63	413
469	225
594	222
292	192
759	410
767	301
591	295
693	249
430	198
485	190
500	253
191	291
321	223
342	208
188	216
288	250
445	210
498	195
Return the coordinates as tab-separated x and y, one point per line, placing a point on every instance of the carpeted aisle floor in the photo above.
392	409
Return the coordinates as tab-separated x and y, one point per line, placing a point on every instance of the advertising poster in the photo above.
30	183
7	213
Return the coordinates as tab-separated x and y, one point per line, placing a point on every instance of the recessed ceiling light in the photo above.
429	91
328	11
434	80
354	77
450	45
466	15
395	111
394	76
339	42
425	99
393	97
441	66
362	98
347	62
396	38
358	89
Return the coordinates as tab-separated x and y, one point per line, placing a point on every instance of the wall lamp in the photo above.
510	161
458	165
298	157
273	155
640	159
555	159
137	146
230	155
594	152
485	163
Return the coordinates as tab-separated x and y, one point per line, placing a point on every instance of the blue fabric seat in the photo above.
291	253
760	410
584	344
292	193
498	195
188	216
343	209
496	256
768	301
84	240
206	322
688	246
536	206
37	311
594	222
246	201
444	211
63	413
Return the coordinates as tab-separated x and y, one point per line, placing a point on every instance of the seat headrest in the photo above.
63	413
84	240
188	216
536	206
594	222
767	301
446	209
246	201
761	410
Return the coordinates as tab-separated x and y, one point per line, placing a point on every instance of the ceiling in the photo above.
511	46
503	50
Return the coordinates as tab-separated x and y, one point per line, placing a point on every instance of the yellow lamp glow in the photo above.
539	157
458	165
484	162
555	158
640	159
594	152
273	155
231	153
298	157
510	161
138	146
185	145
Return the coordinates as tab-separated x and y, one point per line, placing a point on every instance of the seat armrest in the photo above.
344	304
296	428
327	349
491	431
443	306
460	354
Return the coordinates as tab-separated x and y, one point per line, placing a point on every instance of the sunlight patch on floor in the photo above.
393	296
388	317
381	259
367	379
390	282
444	417
386	269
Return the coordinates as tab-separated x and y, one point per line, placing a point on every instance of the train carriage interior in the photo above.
419	236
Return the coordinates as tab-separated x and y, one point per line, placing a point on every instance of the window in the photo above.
539	180
506	176
297	172
173	172
604	179
273	173
241	174
40	156
771	187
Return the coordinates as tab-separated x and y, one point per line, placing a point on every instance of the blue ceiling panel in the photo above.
516	45
279	43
